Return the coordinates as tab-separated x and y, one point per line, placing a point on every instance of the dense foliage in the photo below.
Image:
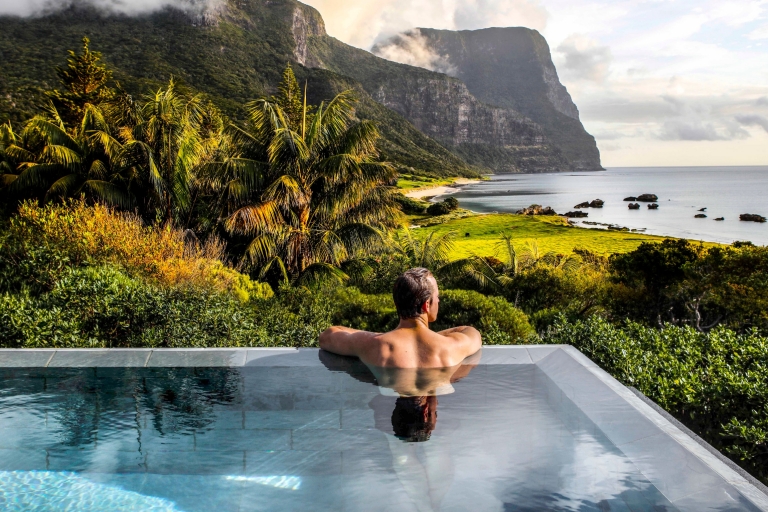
312	195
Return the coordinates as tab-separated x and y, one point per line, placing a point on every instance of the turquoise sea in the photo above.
683	191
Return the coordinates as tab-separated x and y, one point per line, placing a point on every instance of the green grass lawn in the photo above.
551	234
416	182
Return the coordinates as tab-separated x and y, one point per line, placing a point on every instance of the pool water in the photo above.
322	437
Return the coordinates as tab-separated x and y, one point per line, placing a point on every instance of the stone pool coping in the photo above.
628	420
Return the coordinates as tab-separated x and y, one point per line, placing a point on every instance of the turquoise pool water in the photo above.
314	438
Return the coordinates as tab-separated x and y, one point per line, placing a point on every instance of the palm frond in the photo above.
36	175
321	273
63	187
253	218
109	193
60	155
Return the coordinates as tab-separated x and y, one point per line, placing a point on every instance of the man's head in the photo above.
416	294
414	418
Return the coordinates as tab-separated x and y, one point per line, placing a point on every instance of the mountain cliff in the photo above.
440	106
512	68
431	122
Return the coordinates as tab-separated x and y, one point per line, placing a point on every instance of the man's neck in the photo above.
420	322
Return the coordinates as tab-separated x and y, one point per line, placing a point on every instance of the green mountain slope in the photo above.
433	123
234	56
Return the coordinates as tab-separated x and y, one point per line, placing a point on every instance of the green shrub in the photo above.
104	307
40	244
411	206
452	203
498	320
354	309
25	324
714	382
444	207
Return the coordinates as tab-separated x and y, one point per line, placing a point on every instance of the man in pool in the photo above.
412	344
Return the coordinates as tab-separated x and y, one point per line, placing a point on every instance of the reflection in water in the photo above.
414	418
424	467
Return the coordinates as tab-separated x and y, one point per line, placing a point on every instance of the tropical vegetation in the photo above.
159	222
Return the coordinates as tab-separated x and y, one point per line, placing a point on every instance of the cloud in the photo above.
759	33
362	23
413	48
762	102
474	14
584	58
753	120
689	131
131	7
695	130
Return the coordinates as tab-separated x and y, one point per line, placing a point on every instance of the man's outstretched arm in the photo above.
343	340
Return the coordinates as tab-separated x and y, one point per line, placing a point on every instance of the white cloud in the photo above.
35	7
364	22
584	58
759	33
690	131
753	120
412	48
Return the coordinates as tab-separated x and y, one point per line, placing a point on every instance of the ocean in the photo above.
724	192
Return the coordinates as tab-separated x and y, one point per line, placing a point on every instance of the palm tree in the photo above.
308	190
48	161
168	141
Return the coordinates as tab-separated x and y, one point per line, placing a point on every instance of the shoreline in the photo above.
676	224
442	189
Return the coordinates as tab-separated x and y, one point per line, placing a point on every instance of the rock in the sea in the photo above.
536	209
597	203
720	218
630	198
647	198
634	206
576	215
751	217
703	210
700	216
653	206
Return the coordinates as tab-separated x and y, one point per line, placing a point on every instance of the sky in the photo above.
657	82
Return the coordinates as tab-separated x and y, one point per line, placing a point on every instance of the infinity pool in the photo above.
518	430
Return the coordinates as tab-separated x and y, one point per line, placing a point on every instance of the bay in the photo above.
683	191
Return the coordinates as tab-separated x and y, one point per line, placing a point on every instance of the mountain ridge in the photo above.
430	122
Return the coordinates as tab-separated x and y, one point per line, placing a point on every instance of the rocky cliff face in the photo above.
496	138
306	23
504	107
447	112
512	68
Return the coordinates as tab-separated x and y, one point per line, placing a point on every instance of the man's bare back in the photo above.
412	344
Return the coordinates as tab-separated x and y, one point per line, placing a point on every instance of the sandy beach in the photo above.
440	191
